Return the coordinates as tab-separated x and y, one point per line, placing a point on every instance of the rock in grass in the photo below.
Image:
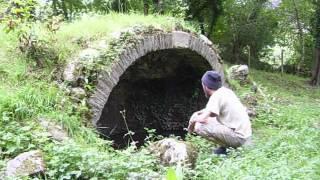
144	176
56	132
78	93
172	151
316	125
89	54
250	100
252	112
239	72
72	73
26	164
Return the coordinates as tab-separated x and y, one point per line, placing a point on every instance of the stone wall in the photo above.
135	61
173	40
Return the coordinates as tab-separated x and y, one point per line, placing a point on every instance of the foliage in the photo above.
19	18
317	25
19	132
176	8
72	160
71	9
244	30
294	32
286	131
245	27
206	13
18	12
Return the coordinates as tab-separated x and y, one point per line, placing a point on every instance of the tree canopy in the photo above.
261	33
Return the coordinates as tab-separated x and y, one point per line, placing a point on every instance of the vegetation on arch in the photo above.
286	129
266	34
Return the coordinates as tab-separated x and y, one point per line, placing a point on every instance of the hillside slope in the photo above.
286	131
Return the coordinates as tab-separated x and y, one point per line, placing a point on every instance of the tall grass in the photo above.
286	141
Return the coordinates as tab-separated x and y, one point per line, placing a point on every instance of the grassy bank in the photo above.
286	131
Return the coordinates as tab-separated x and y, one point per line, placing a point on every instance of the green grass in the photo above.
95	25
286	140
286	131
92	27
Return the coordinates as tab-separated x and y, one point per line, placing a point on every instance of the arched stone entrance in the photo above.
157	83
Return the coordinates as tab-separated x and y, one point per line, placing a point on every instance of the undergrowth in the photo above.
286	130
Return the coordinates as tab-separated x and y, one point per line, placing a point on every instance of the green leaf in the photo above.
171	174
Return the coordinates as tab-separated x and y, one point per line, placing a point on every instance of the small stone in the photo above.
103	44
316	125
78	93
89	54
56	132
83	42
72	73
144	176
206	40
116	35
250	100
26	164
254	88
251	112
172	151
180	39
100	45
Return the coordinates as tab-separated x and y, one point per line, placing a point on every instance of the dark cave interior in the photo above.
159	91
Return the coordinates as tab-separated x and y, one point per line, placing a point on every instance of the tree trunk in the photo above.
211	26
282	51
201	23
64	9
236	50
249	57
158	5
315	81
145	7
301	37
55	7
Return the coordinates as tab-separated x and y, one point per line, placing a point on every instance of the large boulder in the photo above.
172	151
239	72
26	164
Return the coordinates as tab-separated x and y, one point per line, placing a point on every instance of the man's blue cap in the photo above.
212	79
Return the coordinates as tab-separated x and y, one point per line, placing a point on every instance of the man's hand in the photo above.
199	116
192	121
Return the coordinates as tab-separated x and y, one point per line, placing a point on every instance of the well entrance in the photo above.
159	91
156	80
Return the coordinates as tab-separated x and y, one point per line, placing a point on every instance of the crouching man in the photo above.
224	120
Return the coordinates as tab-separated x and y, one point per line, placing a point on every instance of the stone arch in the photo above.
150	43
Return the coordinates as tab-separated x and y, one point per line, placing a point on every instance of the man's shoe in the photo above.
220	151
